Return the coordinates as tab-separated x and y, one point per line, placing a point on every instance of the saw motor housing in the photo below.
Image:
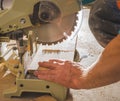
25	13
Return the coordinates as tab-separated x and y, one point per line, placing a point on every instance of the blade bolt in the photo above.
45	16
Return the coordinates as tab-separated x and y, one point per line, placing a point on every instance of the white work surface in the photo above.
90	49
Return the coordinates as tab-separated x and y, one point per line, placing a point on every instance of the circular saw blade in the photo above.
56	30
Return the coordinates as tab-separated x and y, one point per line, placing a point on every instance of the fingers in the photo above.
47	65
36	72
52	64
49	75
55	60
44	72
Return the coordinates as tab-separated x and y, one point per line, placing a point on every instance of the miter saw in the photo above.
37	30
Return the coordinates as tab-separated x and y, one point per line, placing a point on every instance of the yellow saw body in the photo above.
33	31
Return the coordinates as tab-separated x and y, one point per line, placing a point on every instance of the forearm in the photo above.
98	78
106	70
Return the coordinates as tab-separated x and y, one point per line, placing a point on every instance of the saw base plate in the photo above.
35	85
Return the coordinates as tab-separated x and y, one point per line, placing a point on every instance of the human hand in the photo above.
65	73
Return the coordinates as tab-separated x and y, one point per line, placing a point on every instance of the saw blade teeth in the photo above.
64	40
46	45
77	21
77	14
66	35
75	27
58	42
72	32
40	44
53	44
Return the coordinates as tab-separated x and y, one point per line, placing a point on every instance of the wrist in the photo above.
83	82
